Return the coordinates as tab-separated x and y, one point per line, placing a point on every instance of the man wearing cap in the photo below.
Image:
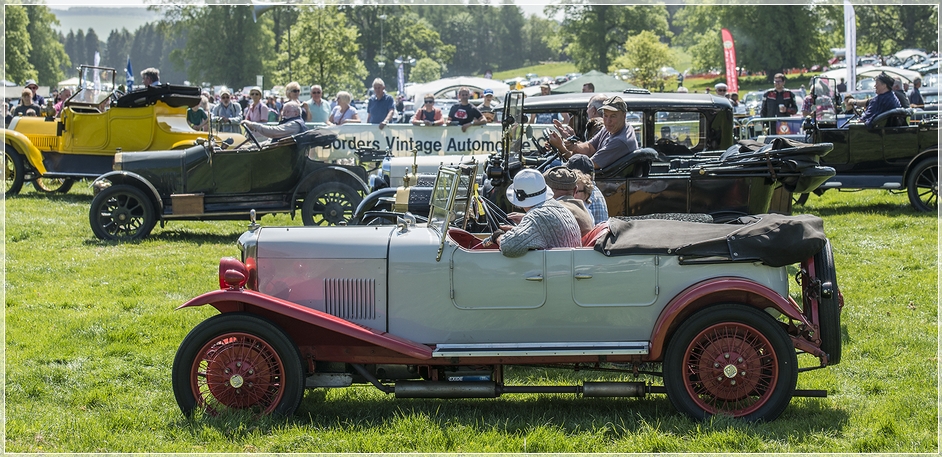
562	181
610	144
721	90
38	100
487	106
226	114
597	206
547	224
883	102
290	124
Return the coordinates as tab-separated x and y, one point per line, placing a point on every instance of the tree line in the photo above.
343	47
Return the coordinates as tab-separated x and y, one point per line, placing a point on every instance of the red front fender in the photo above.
305	325
718	290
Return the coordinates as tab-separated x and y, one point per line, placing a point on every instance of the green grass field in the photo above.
91	333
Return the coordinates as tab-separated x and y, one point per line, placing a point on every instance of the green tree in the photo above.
770	38
885	29
224	45
117	49
16	45
426	70
645	56
324	48
595	32
48	55
509	36
541	40
92	45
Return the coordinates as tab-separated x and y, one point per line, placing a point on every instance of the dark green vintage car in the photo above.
206	182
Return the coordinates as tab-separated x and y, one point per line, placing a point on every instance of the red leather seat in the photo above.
589	239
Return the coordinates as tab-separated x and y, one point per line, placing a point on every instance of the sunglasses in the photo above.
315	92
430	100
523	195
294	91
224	96
255	93
720	90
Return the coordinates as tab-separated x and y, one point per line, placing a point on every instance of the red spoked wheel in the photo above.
731	360
237	362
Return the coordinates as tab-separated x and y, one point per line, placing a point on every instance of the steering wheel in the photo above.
665	141
251	136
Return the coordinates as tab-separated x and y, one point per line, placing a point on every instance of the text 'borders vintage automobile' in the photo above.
330	307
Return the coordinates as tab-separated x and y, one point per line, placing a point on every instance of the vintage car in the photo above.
703	308
898	153
97	122
679	169
206	182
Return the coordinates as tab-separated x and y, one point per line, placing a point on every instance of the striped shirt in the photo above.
545	226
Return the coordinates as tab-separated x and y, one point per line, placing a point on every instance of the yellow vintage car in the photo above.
97	122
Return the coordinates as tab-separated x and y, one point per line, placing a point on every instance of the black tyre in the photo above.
237	362
922	185
53	185
330	204
799	199
122	213
829	306
731	360
14	170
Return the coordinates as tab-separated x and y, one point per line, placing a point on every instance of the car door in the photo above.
487	279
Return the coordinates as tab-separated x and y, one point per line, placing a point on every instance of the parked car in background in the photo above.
700	312
897	153
95	123
205	182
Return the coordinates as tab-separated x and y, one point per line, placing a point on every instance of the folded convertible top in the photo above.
772	239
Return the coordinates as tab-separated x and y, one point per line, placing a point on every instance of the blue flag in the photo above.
129	75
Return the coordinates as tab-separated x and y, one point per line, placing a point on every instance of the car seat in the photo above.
635	164
600	229
897	117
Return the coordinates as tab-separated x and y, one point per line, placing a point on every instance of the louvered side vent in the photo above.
44	142
350	298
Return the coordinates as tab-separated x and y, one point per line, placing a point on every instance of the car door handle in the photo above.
583	276
536	278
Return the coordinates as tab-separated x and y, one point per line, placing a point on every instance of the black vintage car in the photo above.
688	162
899	153
205	182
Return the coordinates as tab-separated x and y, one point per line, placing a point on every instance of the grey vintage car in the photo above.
703	307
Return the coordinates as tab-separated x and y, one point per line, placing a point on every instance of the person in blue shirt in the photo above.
883	102
381	107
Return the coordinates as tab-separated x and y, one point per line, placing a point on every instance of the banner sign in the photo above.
850	44
729	51
402	139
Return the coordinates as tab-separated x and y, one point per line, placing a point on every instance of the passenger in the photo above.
883	102
564	182
547	224
595	201
614	142
291	123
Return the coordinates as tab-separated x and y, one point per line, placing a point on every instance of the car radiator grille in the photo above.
350	298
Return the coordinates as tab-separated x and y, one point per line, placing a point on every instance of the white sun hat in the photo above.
529	189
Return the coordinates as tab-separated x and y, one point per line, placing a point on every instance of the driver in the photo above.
291	123
547	223
883	102
614	142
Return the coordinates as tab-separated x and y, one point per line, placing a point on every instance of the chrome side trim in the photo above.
541	349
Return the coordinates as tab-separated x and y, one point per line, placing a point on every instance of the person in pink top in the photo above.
256	111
